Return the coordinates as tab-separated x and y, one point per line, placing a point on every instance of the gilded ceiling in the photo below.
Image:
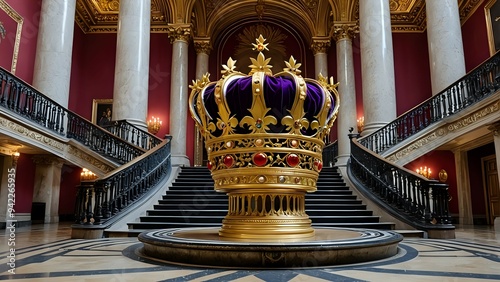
208	17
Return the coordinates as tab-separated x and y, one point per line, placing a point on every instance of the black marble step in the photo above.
165	225
191	201
223	212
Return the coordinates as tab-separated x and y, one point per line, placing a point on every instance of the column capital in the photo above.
320	44
48	160
342	31
179	32
495	128
202	45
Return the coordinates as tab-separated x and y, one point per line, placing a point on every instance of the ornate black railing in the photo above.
18	97
133	134
478	84
100	202
330	153
410	196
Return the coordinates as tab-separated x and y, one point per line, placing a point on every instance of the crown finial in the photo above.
261	64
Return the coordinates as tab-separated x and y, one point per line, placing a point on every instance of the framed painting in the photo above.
492	12
102	110
11	25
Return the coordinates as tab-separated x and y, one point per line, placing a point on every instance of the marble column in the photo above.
343	35
130	93
179	35
52	70
377	64
319	47
203	48
444	36
47	185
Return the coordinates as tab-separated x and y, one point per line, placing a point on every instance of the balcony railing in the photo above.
21	99
478	84
133	134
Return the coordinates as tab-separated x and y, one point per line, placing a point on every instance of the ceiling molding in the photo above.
211	16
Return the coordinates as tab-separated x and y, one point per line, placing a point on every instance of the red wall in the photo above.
70	178
475	39
437	160
30	11
25	182
411	70
92	70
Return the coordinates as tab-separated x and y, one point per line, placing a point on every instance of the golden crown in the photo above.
264	129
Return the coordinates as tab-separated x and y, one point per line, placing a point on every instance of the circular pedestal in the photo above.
329	246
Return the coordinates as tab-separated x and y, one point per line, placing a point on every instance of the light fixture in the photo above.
361	124
154	125
425	171
87	175
15	157
443	175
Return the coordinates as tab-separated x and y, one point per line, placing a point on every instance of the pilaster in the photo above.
47	185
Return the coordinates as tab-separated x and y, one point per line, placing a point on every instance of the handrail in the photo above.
99	203
478	84
412	198
330	153
20	98
133	134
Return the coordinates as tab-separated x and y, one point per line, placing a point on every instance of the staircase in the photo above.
192	202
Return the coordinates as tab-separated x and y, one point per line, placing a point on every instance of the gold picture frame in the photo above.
10	39
101	108
492	13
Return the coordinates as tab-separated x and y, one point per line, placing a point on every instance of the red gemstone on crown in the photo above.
318	165
209	165
260	159
228	161
292	160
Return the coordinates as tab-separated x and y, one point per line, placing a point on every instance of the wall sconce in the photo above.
361	124
87	175
443	175
15	157
425	172
154	125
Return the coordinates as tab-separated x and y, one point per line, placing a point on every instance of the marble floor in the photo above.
46	253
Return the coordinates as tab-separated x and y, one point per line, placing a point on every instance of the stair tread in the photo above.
191	201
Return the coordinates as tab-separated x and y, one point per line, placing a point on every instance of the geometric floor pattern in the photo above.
48	255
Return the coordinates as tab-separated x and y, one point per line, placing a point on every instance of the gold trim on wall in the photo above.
97	108
19	20
489	26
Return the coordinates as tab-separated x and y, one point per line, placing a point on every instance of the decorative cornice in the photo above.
89	159
344	31
320	44
19	129
474	117
445	129
180	32
202	46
